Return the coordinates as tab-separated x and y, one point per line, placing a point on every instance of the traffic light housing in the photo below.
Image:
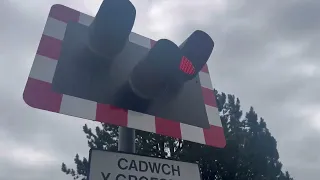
110	29
161	81
77	71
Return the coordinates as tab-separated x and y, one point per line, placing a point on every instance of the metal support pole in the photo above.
126	141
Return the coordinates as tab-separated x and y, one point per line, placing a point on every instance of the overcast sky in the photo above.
267	54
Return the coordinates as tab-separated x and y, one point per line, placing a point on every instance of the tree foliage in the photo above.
250	154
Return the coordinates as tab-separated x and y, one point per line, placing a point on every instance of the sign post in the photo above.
126	141
105	165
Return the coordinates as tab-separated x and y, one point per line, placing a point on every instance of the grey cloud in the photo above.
310	149
11	170
298	20
304	173
312	53
305	163
59	136
247	61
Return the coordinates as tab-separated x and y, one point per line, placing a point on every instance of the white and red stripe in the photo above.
38	92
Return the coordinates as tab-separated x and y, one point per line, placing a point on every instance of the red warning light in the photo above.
186	66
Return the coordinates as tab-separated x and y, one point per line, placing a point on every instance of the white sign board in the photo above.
105	165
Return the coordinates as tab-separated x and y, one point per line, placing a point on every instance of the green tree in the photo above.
250	154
